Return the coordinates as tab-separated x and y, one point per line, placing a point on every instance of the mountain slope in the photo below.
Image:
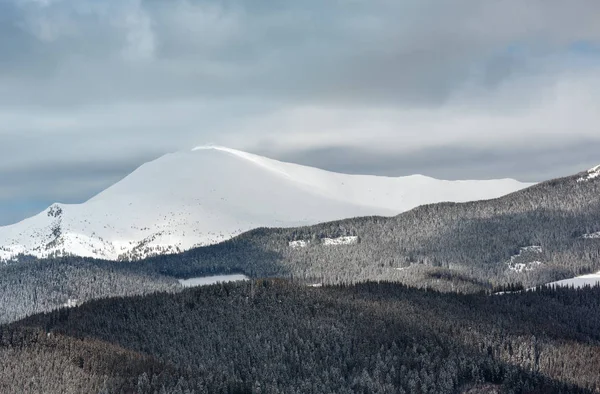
273	336
538	235
210	194
545	233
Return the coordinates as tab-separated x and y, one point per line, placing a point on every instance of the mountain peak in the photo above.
264	162
235	152
184	200
231	151
216	147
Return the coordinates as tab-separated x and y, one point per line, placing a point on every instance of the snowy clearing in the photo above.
349	240
579	281
211	280
298	244
526	259
591	236
521	267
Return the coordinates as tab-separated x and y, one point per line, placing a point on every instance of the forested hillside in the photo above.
274	336
44	285
534	236
531	237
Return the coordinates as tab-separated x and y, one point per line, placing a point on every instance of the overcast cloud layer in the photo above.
89	89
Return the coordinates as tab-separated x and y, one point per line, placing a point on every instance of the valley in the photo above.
299	197
535	236
410	285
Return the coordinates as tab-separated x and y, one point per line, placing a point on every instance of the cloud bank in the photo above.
90	89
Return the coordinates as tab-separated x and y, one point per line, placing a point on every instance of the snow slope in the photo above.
210	194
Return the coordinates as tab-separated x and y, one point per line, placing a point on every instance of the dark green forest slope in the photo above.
274	336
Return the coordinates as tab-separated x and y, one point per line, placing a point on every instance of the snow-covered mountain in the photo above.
210	194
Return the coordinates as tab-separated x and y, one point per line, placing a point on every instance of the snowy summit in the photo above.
210	194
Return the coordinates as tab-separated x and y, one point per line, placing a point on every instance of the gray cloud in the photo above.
526	163
449	89
90	51
28	190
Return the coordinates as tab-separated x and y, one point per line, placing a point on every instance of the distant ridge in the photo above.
211	193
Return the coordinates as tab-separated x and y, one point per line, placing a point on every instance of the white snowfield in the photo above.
211	194
579	281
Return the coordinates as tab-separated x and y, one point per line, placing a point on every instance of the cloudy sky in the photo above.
90	89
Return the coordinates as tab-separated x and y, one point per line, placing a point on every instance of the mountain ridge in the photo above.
472	246
538	235
209	194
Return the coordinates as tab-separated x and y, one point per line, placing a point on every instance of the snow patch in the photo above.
533	249
592	173
211	280
71	303
591	236
298	244
348	240
521	267
526	259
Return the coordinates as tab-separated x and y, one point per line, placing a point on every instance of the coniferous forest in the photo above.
274	336
451	247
